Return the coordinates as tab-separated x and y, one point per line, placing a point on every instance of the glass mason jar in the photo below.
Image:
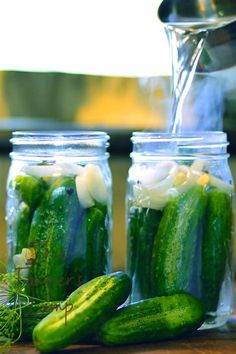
179	220
59	210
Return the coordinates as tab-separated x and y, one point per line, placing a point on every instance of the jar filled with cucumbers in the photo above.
180	220
59	211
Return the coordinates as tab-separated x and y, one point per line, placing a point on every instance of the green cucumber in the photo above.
97	243
177	241
22	227
82	313
133	228
75	255
53	223
29	191
142	228
87	255
30	188
153	320
149	221
216	246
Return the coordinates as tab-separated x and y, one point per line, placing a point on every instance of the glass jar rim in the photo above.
57	136
188	145
192	138
46	145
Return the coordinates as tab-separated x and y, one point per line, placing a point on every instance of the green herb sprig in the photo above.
13	298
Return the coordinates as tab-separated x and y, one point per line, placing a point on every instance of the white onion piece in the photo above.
42	170
153	174
218	183
155	195
159	172
55	170
191	181
151	197
82	192
198	165
95	183
146	176
160	188
185	169
70	169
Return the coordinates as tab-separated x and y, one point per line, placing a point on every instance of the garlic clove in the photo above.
95	183
83	194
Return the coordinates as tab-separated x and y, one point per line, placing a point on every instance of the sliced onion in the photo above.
218	183
152	198
42	170
55	170
198	165
69	169
153	174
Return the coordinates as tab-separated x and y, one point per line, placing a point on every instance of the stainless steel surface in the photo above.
218	17
196	10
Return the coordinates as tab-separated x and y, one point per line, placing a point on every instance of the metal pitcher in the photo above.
218	16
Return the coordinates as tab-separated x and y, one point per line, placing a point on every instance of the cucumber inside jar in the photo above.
61	228
191	232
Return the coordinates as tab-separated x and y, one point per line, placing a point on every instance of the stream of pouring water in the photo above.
187	41
186	49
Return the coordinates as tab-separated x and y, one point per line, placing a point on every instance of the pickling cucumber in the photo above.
144	227
176	242
53	223
22	226
82	313
75	254
97	243
30	188
133	227
216	246
152	320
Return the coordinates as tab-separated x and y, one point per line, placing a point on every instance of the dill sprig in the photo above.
13	298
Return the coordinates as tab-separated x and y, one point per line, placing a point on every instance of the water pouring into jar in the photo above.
180	189
202	37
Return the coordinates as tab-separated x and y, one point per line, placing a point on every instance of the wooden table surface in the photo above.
218	341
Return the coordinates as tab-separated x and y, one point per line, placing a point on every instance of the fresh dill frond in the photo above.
12	299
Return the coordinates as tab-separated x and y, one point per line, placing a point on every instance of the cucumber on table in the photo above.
176	242
216	246
82	313
152	320
53	224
